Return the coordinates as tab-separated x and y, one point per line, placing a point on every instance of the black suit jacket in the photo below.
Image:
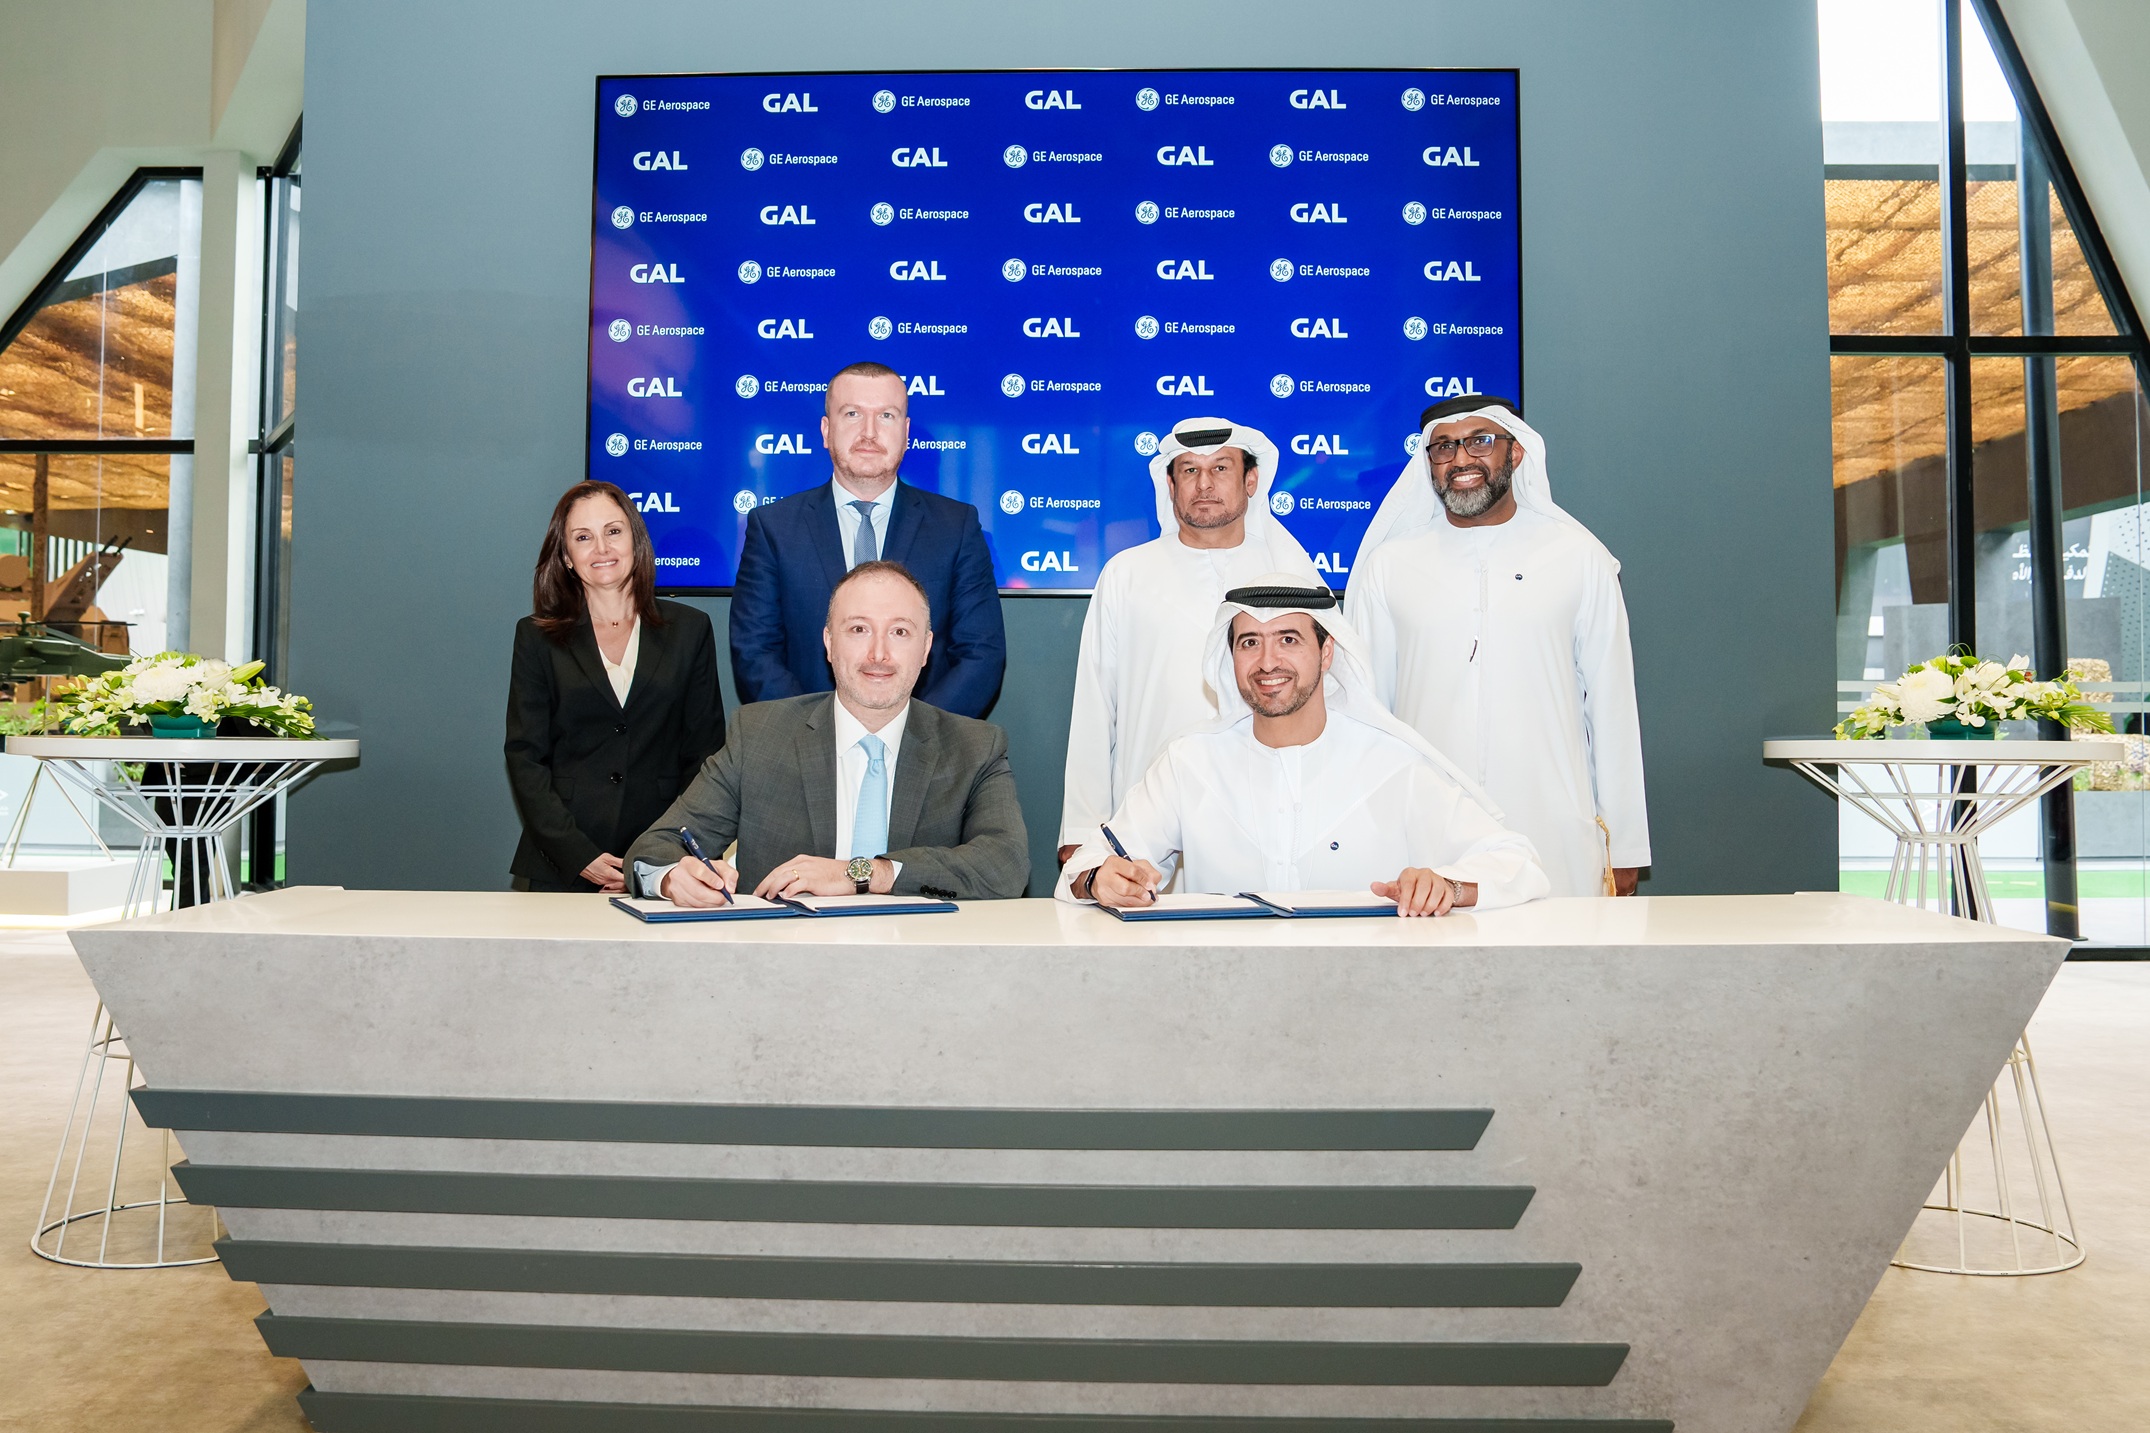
589	775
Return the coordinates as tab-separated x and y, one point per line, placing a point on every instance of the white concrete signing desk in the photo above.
515	1161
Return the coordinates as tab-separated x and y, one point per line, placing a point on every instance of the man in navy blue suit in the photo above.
798	547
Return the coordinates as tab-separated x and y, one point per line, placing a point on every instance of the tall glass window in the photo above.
97	422
1986	376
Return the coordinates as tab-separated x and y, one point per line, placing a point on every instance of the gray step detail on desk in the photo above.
808	1202
1238	1361
906	1280
813	1125
411	1413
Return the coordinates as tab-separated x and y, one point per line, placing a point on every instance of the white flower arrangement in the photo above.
181	684
1957	686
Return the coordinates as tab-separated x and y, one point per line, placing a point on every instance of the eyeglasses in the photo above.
1443	450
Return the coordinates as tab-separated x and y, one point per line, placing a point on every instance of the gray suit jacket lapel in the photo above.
815	750
915	766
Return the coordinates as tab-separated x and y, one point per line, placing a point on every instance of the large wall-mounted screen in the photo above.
1061	265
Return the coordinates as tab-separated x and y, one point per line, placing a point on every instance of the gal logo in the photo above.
1050	99
1051	214
783	328
661	159
1318	328
790	104
1063	443
1050	328
780	443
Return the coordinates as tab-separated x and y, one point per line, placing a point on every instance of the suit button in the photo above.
616	778
621	728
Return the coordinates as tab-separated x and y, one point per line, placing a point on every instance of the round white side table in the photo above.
1937	798
182	796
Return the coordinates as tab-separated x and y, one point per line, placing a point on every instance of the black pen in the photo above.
1117	850
694	849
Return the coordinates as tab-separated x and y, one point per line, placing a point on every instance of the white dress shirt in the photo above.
851	770
850	776
622	673
847	517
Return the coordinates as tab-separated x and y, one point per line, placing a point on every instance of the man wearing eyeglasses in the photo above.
1496	629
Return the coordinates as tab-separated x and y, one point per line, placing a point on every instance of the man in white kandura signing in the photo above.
1497	630
1303	782
1139	679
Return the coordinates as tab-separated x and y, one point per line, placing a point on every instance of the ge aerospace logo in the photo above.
747	386
1281	504
1281	270
623	217
883	101
743	501
624	106
1012	385
1411	445
1014	270
1282	386
1014	156
1011	502
1145	213
616	445
1414	99
1145	327
1145	98
751	160
1414	213
1414	328
884	214
1280	155
620	330
880	327
1146	444
750	272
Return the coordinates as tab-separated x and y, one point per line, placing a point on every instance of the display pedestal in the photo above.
182	796
1937	798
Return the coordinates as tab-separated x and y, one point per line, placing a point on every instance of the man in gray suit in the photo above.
862	790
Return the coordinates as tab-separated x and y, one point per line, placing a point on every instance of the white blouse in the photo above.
622	673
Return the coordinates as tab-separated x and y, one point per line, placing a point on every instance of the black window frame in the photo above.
2043	160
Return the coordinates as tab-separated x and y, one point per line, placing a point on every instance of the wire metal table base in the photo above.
1937	823
181	808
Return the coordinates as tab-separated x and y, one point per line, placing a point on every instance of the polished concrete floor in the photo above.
176	1349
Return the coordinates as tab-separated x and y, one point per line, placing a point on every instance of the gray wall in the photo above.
1675	349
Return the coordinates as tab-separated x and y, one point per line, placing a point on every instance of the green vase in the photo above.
1950	729
183	726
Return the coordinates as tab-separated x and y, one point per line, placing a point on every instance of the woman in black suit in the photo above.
613	703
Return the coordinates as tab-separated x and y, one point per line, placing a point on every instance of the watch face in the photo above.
860	869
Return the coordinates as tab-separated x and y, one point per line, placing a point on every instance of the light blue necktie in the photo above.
869	829
863	547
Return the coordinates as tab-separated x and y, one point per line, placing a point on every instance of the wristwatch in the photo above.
860	870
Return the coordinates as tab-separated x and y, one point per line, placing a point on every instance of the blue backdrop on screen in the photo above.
1062	265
